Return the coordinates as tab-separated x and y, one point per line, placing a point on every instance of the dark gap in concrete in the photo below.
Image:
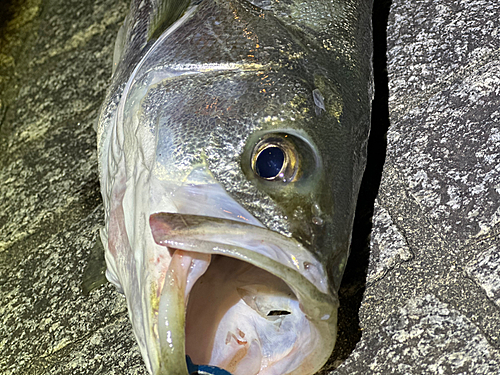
6	14
353	283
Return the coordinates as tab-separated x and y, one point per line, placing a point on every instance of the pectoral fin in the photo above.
94	274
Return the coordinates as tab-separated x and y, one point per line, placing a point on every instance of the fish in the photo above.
231	145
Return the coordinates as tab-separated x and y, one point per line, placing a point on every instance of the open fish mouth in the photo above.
205	279
238	297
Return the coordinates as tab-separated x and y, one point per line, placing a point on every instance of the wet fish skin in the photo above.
226	75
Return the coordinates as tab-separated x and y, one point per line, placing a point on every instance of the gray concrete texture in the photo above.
432	300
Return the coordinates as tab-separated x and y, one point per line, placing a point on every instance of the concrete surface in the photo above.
431	305
55	67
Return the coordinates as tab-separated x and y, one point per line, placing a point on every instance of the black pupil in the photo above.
269	162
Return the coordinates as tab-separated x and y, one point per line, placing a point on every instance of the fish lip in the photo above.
192	234
185	231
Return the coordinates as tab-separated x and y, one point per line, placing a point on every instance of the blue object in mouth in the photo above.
204	369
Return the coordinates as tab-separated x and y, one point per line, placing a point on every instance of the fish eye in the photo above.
275	158
269	162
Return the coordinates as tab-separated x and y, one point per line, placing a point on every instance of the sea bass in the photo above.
232	143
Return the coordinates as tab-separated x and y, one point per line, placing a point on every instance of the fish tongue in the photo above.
183	271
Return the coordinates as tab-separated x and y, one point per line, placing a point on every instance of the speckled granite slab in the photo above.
432	300
55	64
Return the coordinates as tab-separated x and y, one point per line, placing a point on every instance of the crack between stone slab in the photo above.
397	262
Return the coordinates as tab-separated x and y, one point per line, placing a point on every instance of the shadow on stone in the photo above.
6	14
353	283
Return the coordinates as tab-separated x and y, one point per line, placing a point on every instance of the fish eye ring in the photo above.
275	158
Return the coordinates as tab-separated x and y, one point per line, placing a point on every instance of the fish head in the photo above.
230	211
239	202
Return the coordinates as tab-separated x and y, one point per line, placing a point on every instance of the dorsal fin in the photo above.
165	13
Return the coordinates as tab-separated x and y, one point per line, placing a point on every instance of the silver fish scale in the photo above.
228	110
206	91
238	34
272	62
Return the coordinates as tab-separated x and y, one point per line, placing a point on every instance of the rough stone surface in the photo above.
388	246
485	271
447	153
55	64
431	304
424	336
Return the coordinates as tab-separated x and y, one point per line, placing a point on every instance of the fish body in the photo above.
232	143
